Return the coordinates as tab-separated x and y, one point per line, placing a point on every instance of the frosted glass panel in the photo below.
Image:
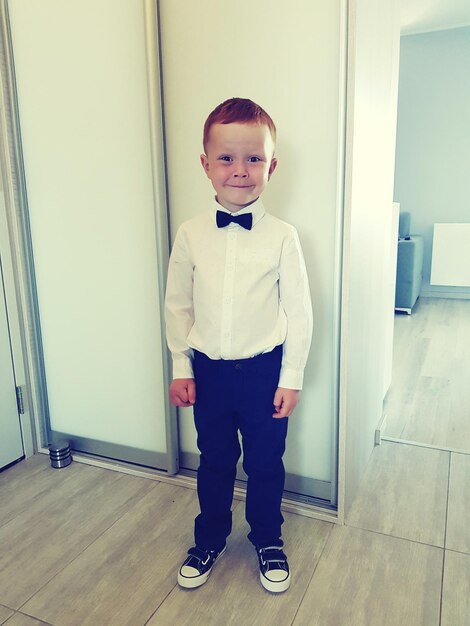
82	91
289	62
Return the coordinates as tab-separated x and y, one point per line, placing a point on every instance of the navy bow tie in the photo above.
223	219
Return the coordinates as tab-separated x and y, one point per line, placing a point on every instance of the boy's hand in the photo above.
285	401
183	392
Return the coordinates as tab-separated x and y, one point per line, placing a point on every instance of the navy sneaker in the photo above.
273	568
197	566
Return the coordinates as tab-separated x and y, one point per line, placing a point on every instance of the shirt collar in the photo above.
256	208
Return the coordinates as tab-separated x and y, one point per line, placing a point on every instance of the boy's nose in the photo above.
240	171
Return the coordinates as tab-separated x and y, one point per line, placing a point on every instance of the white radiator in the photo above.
451	255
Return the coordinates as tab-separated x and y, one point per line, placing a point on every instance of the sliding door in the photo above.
89	111
291	62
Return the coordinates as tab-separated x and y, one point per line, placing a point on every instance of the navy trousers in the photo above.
234	396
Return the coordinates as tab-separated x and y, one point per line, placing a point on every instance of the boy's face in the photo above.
239	162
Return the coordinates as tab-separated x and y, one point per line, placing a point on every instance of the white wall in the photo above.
433	136
372	94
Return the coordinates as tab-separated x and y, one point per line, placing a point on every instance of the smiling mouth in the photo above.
240	186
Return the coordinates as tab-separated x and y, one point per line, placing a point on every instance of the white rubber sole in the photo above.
192	582
275	586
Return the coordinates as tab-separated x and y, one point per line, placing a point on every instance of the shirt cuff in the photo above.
291	379
182	366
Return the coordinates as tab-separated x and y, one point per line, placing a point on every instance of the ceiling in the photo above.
419	16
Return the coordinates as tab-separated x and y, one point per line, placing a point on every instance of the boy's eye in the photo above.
225	158
254	159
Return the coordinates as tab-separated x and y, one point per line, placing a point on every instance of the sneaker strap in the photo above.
272	554
201	555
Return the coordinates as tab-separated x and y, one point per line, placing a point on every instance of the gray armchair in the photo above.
409	266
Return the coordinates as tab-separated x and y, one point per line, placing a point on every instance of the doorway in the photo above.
429	400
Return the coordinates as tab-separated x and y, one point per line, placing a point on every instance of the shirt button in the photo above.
238	366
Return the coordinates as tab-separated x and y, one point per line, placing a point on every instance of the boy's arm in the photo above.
179	313
294	293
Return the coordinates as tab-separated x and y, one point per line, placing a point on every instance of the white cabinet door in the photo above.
11	443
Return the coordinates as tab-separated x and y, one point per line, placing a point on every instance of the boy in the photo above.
239	324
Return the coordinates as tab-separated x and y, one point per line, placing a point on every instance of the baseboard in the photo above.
452	295
380	428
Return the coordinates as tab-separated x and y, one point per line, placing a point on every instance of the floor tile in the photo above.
123	576
24	469
233	595
403	493
29	481
399	408
40	541
19	619
455	595
458	516
458	431
429	412
367	579
5	613
429	399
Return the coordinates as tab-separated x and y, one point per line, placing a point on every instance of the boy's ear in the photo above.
204	162
272	167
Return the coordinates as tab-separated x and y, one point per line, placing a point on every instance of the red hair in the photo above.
238	110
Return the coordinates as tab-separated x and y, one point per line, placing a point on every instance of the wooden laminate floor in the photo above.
429	398
88	546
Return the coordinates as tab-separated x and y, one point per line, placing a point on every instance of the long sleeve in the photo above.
179	311
295	299
234	293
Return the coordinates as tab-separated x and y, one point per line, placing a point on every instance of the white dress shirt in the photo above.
234	293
